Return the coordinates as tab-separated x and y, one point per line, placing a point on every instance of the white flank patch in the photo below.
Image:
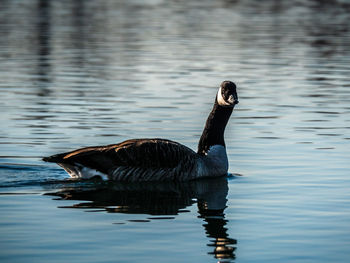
88	173
221	100
82	172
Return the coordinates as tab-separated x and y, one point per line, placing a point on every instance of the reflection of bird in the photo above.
158	159
211	207
162	199
155	198
215	229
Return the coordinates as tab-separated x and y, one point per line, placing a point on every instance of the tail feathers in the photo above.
54	158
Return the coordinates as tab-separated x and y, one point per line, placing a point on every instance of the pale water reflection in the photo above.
79	73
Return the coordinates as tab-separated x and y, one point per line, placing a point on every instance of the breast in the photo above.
214	163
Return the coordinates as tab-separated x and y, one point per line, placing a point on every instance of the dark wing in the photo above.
155	153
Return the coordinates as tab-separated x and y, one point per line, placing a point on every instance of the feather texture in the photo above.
132	160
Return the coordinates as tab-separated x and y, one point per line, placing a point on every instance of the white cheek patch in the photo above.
221	100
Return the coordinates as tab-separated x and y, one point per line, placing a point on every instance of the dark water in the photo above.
79	73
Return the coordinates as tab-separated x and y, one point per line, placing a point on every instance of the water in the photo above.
80	73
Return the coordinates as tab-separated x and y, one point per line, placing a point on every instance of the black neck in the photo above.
213	133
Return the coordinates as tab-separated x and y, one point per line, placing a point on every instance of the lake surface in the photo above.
82	73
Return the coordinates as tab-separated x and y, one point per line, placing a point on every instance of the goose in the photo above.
140	160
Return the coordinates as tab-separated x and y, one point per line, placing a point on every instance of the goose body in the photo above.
158	159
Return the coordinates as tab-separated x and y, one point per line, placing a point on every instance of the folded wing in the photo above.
142	153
